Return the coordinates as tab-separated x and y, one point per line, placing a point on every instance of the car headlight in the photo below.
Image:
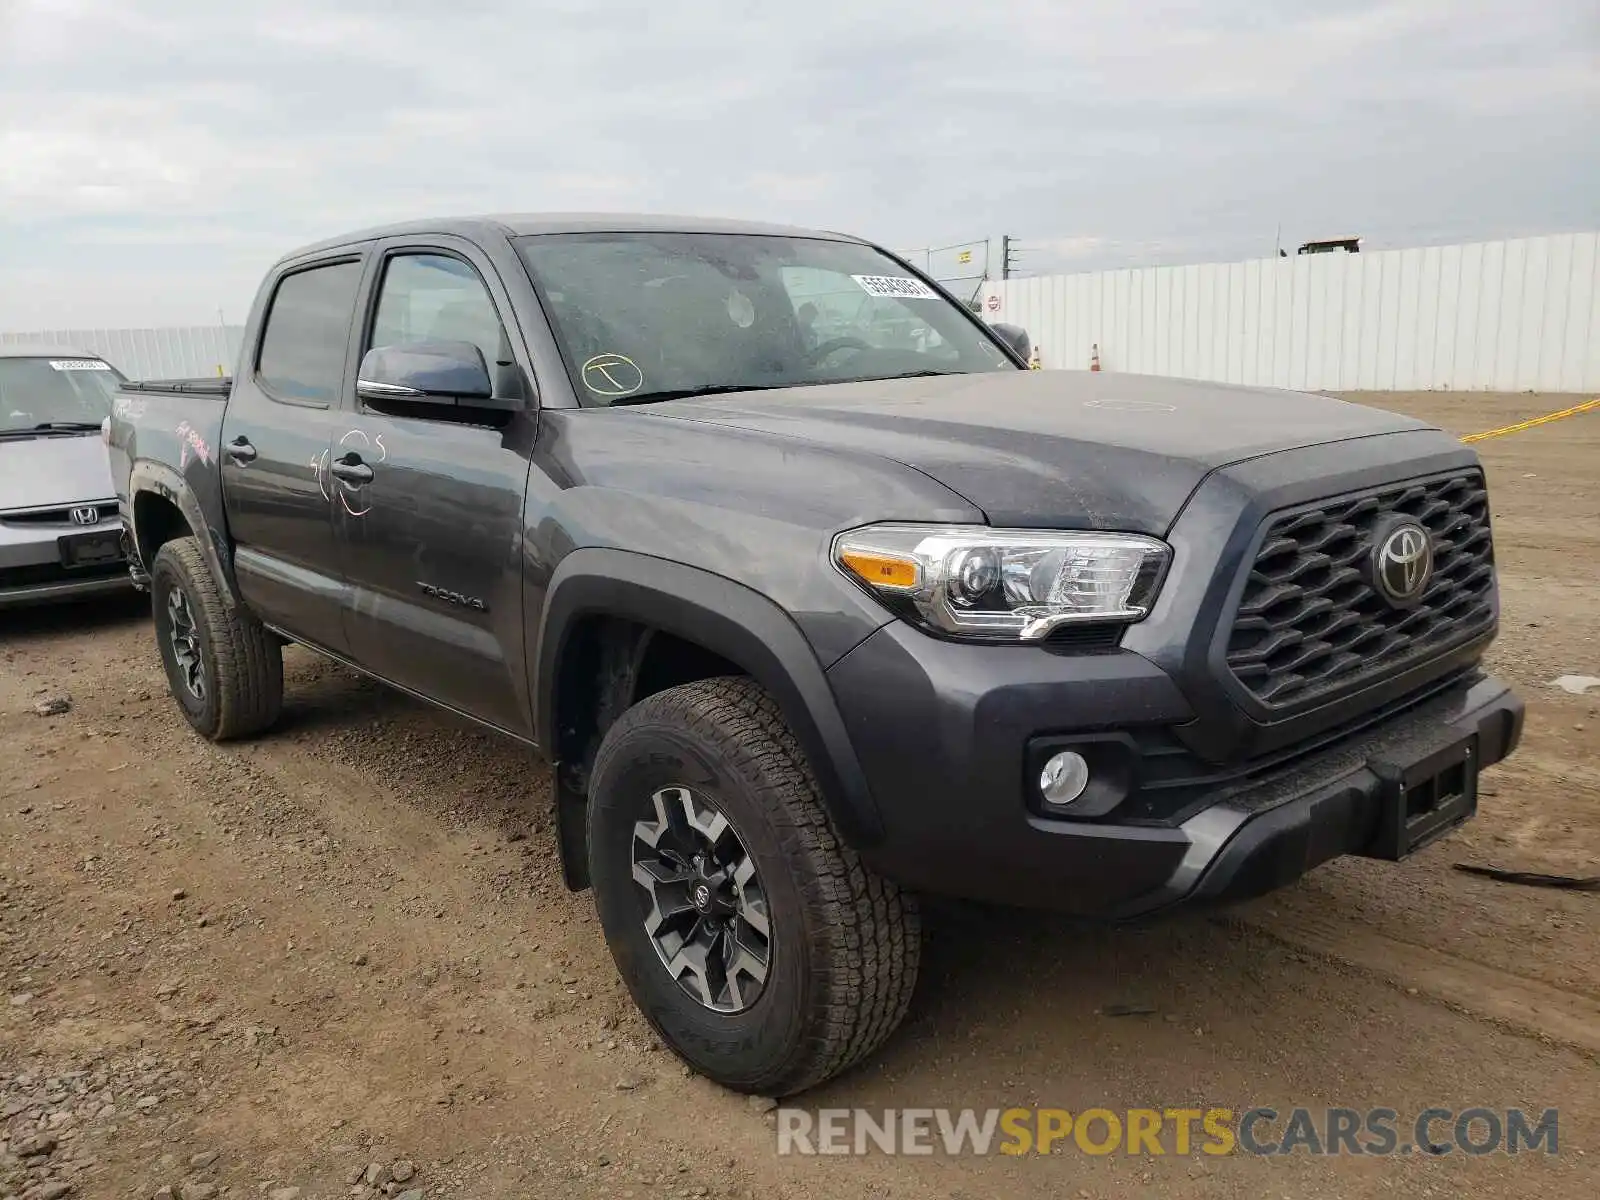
1004	584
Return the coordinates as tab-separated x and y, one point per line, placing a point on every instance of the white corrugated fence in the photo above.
1503	316
172	353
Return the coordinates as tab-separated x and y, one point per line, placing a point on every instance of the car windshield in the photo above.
45	393
650	316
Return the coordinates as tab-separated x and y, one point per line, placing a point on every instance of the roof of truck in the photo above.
45	350
520	224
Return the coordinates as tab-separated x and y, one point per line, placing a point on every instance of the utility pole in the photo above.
1008	256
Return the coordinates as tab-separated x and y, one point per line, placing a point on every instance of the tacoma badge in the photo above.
449	597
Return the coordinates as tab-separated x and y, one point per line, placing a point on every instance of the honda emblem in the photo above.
86	516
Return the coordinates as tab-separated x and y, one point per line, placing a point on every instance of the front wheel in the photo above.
755	942
223	666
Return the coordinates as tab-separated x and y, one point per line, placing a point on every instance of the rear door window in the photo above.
307	333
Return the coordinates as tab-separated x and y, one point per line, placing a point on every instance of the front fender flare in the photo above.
729	619
159	479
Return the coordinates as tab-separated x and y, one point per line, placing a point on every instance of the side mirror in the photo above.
446	378
1016	337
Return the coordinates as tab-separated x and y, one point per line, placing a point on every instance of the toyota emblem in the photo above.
1402	565
86	516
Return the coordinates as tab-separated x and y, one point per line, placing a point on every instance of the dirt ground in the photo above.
251	969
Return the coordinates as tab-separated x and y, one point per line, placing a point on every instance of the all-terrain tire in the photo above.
240	668
844	942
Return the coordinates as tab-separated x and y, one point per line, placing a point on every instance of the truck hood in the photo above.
1042	448
54	471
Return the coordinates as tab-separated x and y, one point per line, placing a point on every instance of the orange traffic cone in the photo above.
1094	357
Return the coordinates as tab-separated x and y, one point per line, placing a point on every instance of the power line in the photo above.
1008	256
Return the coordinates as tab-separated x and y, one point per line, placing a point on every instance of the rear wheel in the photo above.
758	945
224	668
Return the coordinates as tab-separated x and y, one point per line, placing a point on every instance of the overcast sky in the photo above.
156	155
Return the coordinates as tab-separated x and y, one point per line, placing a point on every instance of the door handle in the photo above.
351	469
241	451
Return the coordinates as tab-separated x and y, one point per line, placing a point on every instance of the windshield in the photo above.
646	316
55	391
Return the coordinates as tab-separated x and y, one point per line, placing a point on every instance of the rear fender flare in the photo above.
149	477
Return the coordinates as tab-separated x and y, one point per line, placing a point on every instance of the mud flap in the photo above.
572	824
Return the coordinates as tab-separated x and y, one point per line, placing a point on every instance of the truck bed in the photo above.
165	436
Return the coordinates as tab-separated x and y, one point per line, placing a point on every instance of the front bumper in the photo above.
948	735
1271	832
33	570
109	584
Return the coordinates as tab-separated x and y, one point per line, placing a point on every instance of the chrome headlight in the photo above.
1004	584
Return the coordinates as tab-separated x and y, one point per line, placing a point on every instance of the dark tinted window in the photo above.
303	348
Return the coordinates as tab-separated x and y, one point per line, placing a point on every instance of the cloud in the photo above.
158	154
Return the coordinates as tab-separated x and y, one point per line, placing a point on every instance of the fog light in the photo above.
1064	777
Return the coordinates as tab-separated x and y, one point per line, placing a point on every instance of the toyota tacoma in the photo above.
816	614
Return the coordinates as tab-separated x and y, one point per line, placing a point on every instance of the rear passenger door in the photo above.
281	420
431	541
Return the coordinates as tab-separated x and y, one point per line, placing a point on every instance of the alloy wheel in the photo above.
185	639
702	902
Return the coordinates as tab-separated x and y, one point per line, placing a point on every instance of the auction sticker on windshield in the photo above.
899	286
78	364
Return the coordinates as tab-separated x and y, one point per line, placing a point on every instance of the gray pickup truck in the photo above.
811	618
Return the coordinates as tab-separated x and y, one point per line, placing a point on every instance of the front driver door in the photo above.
431	528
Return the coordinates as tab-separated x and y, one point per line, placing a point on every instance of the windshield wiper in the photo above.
705	389
722	389
33	431
61	427
899	375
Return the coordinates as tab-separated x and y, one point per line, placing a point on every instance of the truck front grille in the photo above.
1310	625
